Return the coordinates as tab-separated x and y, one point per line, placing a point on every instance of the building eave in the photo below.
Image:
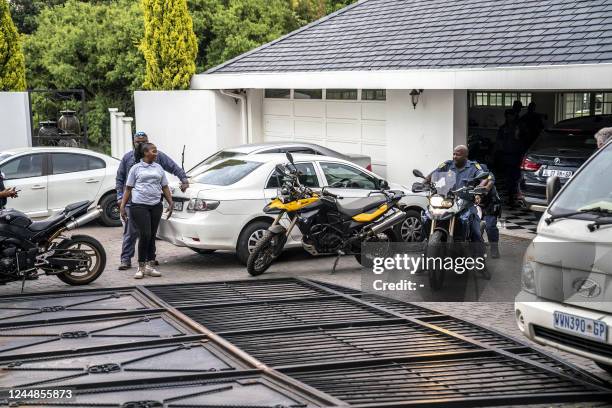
551	77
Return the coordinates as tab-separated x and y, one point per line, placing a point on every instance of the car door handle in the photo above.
38	187
92	181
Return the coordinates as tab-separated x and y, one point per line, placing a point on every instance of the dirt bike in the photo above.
327	225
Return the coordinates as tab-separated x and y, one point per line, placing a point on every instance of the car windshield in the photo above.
590	188
557	139
220	155
226	173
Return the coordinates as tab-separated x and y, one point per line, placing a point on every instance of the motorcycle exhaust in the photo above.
387	223
84	219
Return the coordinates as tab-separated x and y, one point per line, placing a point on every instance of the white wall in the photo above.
422	138
202	120
15	128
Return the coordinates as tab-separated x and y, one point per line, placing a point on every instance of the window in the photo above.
23	167
575	105
227	172
603	103
220	155
71	163
341	94
307	176
307	94
342	176
277	93
374	94
499	99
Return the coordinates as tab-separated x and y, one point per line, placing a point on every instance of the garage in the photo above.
346	120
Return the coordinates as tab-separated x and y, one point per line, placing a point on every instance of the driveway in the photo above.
181	265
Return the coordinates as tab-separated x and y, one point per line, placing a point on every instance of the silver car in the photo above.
281	147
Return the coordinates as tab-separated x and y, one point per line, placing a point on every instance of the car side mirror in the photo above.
383	184
553	185
417	173
289	157
418	187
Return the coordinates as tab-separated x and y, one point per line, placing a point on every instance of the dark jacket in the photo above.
3	201
129	160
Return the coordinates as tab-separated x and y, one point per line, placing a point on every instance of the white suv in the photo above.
49	178
566	297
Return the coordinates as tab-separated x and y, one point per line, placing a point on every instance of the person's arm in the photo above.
8	193
124	200
120	178
167	194
171	167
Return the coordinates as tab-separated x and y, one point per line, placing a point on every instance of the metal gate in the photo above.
291	343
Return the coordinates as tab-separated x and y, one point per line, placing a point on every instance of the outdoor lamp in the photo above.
414	94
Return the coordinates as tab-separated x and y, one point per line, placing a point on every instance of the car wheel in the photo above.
110	211
202	251
249	237
410	230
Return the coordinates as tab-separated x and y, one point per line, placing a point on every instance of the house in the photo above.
405	80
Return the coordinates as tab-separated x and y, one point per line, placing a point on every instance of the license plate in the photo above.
178	206
558	173
582	326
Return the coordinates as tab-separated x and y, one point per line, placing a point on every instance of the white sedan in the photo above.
222	209
50	178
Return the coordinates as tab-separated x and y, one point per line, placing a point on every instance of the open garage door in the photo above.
348	126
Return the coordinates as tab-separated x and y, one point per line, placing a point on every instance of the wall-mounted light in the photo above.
414	94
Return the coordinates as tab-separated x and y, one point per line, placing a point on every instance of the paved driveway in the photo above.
181	265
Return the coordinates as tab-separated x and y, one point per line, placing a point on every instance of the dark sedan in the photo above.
558	151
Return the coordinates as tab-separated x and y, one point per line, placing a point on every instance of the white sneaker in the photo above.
150	270
140	272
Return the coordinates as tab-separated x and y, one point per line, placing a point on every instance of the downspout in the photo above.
240	96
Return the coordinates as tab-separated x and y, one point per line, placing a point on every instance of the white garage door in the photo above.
346	126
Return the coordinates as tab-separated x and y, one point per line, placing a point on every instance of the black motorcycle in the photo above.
448	232
327	225
28	248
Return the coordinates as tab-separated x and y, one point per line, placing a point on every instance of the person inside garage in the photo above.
531	125
510	151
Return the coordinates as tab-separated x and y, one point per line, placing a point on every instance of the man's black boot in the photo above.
494	250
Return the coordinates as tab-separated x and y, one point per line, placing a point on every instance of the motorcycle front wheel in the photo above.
264	253
436	249
93	257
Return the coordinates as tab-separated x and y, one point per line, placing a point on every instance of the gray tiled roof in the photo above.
422	34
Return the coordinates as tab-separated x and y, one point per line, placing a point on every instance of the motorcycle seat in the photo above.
361	205
38	226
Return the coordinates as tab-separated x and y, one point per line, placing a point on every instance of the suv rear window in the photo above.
227	172
559	139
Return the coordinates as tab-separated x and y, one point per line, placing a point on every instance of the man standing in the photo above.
491	207
130	233
510	148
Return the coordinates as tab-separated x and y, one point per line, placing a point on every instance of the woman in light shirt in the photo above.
146	182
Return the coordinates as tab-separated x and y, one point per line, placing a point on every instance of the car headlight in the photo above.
440	202
528	276
198	204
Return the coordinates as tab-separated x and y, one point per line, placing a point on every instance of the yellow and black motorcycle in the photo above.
327	225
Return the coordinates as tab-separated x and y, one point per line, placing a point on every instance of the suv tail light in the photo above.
369	167
530	165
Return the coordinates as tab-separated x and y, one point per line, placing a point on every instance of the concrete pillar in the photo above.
126	135
424	137
113	130
118	130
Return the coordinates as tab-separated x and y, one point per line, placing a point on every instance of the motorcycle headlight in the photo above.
198	204
528	276
440	202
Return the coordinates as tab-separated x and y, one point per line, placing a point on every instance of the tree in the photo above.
12	61
90	46
247	24
169	44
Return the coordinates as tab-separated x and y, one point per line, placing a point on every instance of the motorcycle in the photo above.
327	226
28	248
448	212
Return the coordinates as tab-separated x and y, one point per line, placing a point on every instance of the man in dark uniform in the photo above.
5	193
491	207
465	170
